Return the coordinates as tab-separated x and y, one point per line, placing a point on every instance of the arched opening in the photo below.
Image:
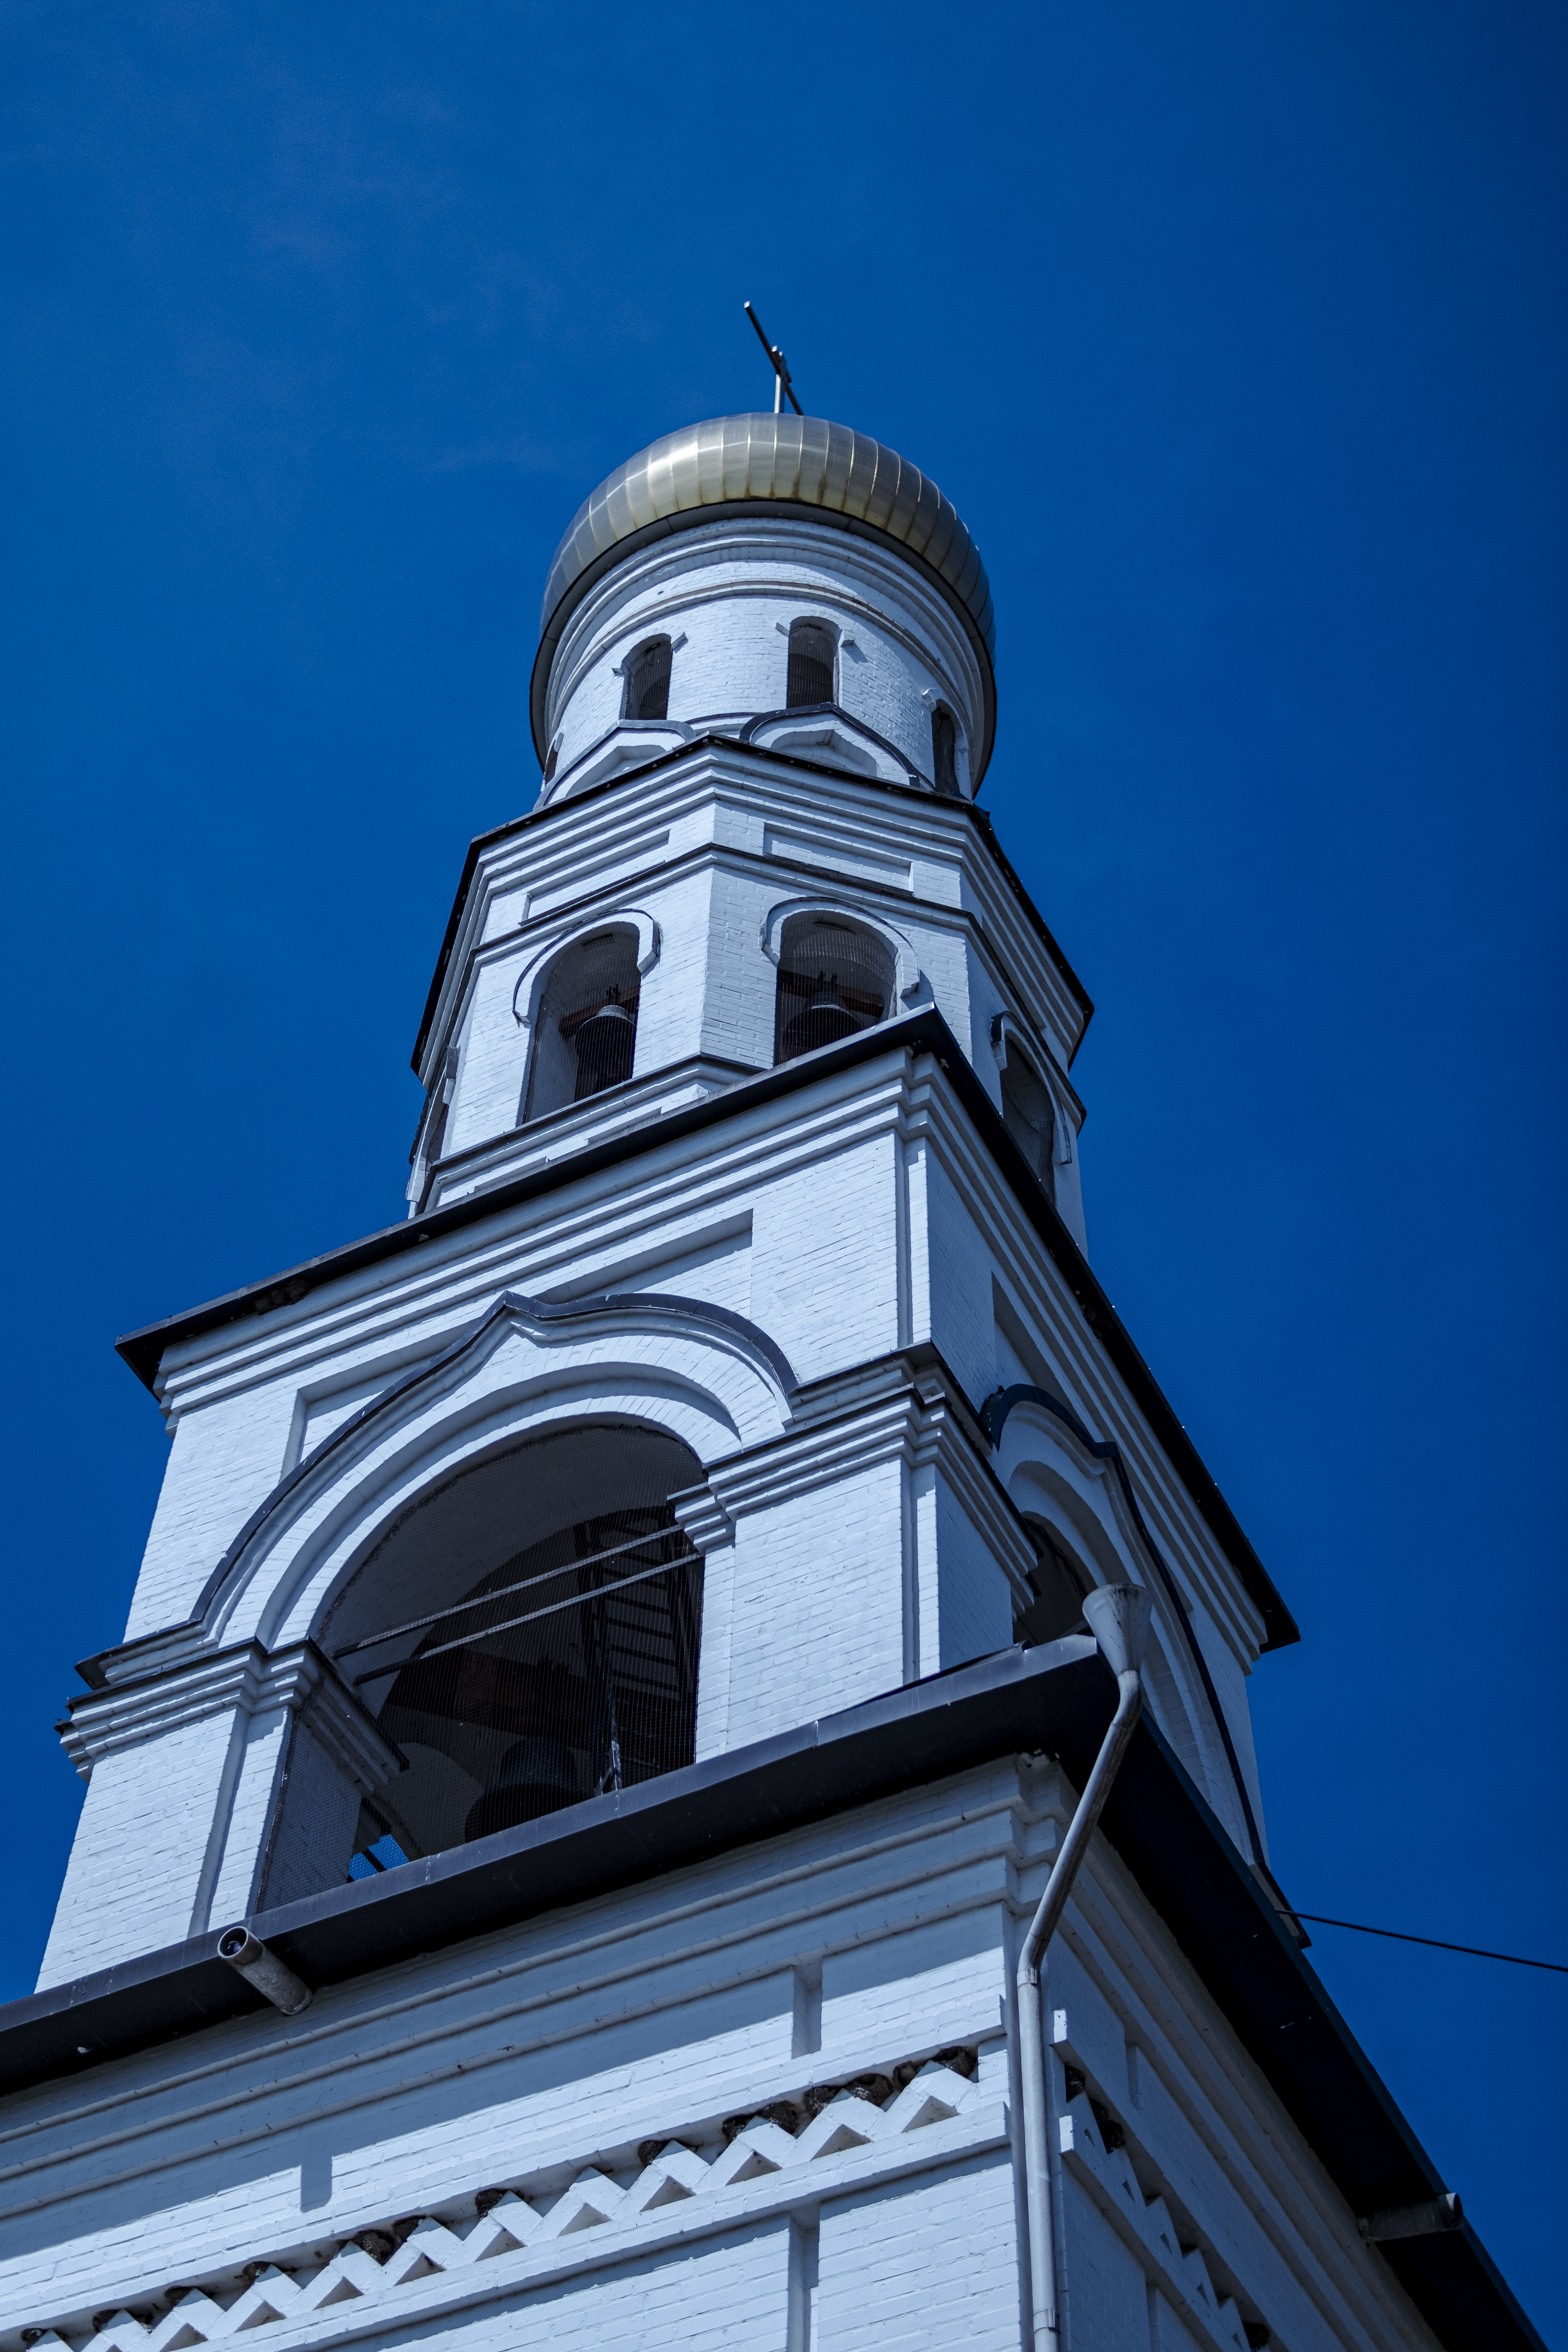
648	680
1029	1119
552	760
812	654
944	750
835	978
527	1634
1060	1584
586	1026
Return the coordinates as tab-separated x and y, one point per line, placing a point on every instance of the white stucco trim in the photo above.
675	1366
526	994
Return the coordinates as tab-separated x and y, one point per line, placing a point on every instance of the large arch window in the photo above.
527	1634
944	750
586	1026
835	978
812	654
648	680
1029	1118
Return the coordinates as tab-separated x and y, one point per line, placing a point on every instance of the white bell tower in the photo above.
617	1652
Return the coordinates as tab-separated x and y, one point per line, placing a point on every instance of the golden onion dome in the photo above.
770	465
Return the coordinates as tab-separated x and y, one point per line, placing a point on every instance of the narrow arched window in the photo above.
812	651
527	1635
648	681
1029	1119
585	1030
1059	1583
944	750
552	760
835	978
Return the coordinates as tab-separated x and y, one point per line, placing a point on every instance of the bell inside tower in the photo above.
585	1030
836	979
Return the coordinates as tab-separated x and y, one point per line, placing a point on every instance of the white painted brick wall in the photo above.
221	1465
143	1848
688	2301
933	2262
825	1273
657	2011
1106	2296
817	1605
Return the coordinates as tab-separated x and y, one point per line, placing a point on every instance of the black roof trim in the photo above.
1057	1698
482	841
923	1030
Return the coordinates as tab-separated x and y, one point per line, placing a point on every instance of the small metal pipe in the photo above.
1119	1615
272	1978
1425	2221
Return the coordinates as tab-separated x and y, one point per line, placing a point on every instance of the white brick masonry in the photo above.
768	2097
726	593
559	2059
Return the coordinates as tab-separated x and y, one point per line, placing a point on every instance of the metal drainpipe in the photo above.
1119	1615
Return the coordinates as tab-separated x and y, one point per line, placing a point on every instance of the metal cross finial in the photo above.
783	389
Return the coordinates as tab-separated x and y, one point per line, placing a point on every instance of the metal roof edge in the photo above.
1058	1699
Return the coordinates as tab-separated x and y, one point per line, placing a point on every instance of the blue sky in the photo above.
1237	334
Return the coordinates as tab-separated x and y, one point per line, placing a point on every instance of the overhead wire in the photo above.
1474	1951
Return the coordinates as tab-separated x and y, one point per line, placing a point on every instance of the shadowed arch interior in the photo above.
527	1634
584	1032
836	977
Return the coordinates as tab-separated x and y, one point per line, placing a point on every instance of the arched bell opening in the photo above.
809	679
648	680
1029	1119
944	752
528	1634
836	978
586	1027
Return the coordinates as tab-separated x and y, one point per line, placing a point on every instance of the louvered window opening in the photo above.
944	752
648	680
586	1029
835	979
564	1669
812	653
1029	1119
435	1133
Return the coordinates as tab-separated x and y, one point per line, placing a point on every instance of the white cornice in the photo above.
622	837
243	1678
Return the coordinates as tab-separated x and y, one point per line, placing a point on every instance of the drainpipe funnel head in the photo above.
1118	1617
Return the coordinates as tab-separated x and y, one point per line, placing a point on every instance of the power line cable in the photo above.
1474	1951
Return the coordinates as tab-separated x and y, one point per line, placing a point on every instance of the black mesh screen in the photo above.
528	1636
834	978
648	680
811	654
944	752
1028	1118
